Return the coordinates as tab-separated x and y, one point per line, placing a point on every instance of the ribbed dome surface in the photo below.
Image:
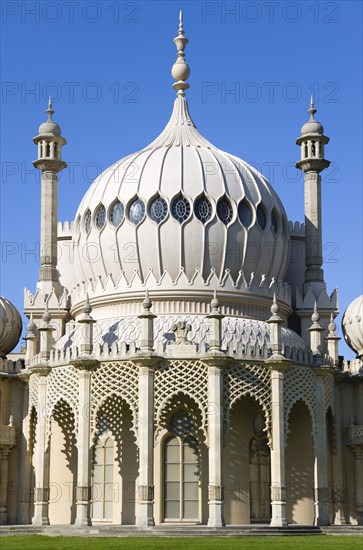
10	326
180	203
352	325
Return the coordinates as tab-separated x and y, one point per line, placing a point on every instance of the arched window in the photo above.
102	482
181	471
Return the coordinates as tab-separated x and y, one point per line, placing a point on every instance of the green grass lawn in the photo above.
319	542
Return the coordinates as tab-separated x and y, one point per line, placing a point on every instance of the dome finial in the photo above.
180	70
312	109
50	110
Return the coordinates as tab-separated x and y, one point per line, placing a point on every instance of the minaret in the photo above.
312	162
49	162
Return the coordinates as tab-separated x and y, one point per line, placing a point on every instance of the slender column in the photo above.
358	464
4	470
145	505
24	493
41	496
278	475
338	490
215	433
83	491
320	460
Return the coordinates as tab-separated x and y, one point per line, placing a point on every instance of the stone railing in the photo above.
353	366
354	435
123	351
11	367
7	436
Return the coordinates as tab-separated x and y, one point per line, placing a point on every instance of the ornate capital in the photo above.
215	492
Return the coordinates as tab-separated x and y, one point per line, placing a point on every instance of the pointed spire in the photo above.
315	316
215	303
180	70
147	303
312	109
332	327
46	315
50	110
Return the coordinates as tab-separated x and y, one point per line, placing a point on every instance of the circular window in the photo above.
137	211
224	210
203	209
180	209
261	217
274	222
158	210
100	216
245	213
117	213
87	221
181	423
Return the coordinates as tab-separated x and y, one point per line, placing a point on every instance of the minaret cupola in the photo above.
312	141
50	144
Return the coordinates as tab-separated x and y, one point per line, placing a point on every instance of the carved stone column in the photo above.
358	463
215	437
320	461
338	489
83	490
278	475
4	469
145	502
41	466
278	364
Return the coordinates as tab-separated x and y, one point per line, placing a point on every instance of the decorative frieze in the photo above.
41	494
278	494
83	493
215	492
146	492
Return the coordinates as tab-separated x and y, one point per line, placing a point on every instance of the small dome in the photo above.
352	325
50	127
10	326
312	127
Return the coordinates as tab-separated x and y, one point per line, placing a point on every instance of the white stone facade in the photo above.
193	385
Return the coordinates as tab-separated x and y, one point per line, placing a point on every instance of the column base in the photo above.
278	518
216	518
40	514
145	517
3	517
321	514
83	515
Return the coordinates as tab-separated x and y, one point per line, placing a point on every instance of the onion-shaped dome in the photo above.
312	126
10	326
50	127
352	325
180	206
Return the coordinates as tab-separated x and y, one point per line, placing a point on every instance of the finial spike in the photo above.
312	109
50	110
180	70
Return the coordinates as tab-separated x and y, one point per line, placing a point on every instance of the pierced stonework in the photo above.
123	378
252	380
62	384
299	384
176	382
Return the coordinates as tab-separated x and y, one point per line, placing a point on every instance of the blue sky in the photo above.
254	65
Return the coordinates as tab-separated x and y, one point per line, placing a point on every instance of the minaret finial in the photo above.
50	110
180	70
312	109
